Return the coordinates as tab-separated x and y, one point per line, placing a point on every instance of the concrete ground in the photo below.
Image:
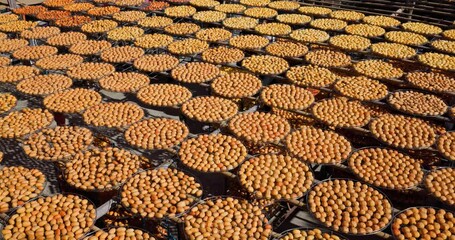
4	3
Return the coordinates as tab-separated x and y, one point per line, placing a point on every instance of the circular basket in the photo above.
351	234
196	199
381	187
396	215
341	124
161	148
388	98
253	195
431	193
427	88
4	110
322	131
440	58
443	153
115	188
219	171
45	123
186	111
388	144
45	185
268	140
203	201
336	90
74	194
65	159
